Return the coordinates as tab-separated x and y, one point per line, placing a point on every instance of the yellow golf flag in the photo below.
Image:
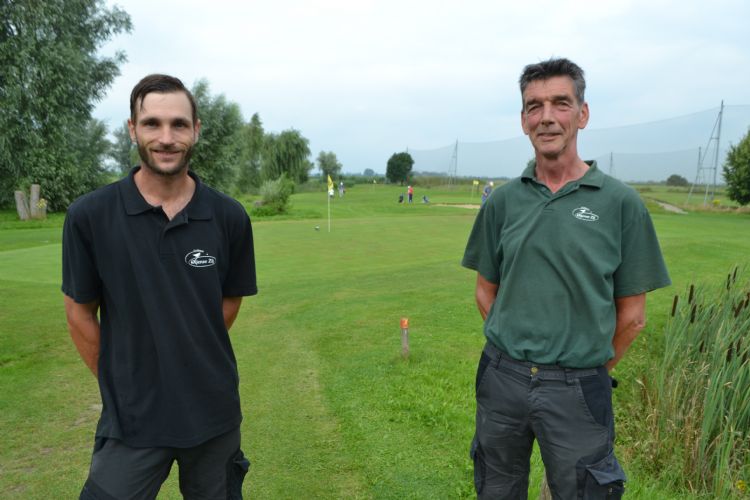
476	183
330	183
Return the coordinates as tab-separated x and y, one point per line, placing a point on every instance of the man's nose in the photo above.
166	135
547	113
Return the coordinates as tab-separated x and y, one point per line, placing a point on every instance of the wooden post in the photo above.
405	337
34	208
22	206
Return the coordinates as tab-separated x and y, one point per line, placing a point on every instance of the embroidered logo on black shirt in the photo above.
199	258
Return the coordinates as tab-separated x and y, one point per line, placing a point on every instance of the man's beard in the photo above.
150	163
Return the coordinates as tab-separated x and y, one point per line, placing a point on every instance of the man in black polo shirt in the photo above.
165	261
564	257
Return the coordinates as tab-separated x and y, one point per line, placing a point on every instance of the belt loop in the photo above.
569	376
499	357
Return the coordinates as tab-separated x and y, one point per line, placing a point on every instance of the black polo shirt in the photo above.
167	372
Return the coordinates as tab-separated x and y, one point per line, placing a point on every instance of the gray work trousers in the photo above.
569	413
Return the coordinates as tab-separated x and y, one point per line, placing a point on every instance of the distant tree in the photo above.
399	167
218	148
737	171
677	180
251	155
123	152
286	153
328	164
369	172
51	76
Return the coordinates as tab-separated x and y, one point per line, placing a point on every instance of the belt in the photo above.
536	370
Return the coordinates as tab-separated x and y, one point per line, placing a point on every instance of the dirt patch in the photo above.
457	205
670	208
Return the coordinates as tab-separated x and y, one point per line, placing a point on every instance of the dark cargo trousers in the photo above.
213	470
569	413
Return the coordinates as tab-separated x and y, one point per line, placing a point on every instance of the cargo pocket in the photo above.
237	469
604	479
480	469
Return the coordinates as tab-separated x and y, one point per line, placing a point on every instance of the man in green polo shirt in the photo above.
564	257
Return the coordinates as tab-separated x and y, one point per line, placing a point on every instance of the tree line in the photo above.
231	155
52	75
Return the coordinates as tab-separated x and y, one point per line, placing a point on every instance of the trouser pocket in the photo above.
238	467
479	465
603	480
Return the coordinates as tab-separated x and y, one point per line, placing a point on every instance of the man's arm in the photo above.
83	325
230	307
631	319
486	292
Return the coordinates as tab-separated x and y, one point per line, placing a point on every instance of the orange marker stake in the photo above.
405	337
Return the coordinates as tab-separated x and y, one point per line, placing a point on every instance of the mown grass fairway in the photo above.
331	409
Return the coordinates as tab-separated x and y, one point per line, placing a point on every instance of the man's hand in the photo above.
486	292
230	307
631	319
83	325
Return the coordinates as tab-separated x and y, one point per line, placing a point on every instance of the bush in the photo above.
274	196
677	180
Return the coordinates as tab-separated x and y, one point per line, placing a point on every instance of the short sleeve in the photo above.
80	276
240	280
482	250
642	266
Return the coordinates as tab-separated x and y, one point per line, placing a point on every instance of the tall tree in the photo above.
737	171
677	180
286	153
123	152
328	164
218	148
399	167
251	154
50	79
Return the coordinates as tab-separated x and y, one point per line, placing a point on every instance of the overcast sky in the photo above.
368	78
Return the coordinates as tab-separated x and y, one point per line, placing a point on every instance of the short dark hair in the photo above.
162	84
554	67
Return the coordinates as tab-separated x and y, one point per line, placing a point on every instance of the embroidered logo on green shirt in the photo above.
585	214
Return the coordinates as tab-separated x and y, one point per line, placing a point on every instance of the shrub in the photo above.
274	196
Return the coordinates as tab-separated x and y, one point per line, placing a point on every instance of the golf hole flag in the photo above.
330	195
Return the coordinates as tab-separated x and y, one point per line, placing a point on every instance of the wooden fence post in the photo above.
34	207
22	205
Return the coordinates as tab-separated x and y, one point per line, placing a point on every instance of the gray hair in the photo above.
554	67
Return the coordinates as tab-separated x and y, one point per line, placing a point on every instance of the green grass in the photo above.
331	408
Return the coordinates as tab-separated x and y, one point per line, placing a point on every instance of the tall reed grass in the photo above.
701	401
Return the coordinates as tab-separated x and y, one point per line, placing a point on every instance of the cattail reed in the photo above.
702	413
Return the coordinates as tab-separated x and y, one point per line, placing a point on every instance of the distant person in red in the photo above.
410	192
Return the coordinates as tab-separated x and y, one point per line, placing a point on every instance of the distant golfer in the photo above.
564	257
165	260
410	192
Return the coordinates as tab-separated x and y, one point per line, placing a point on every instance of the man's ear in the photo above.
131	130
523	123
197	132
583	119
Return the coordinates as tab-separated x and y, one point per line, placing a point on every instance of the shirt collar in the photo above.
593	176
134	202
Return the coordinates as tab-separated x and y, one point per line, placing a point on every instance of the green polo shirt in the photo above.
560	259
